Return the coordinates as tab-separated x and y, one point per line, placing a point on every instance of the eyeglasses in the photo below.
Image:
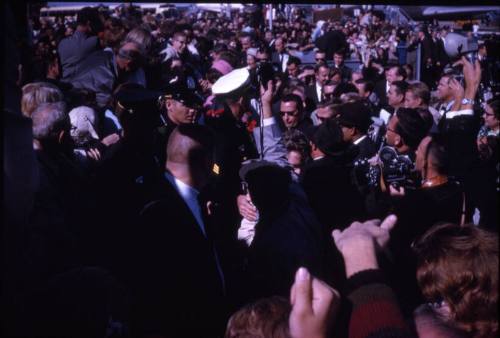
320	59
289	113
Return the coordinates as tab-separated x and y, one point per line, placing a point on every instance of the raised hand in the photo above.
358	243
314	306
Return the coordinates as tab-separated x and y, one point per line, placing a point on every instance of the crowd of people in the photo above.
190	177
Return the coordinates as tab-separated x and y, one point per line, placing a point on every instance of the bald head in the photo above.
188	139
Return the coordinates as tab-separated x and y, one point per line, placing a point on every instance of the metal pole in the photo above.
270	6
418	66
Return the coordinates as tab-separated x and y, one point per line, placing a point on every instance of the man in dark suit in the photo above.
314	93
287	235
354	119
178	280
280	57
327	179
427	57
442	59
338	63
396	73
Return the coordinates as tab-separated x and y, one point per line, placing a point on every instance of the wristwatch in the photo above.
467	101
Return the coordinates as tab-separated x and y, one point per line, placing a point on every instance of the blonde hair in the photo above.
37	93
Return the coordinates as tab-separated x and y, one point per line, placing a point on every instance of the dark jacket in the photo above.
365	149
381	92
417	213
311	98
331	192
282	244
174	271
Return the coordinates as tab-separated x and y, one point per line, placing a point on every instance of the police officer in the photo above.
179	105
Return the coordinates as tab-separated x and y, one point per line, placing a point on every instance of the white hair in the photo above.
49	119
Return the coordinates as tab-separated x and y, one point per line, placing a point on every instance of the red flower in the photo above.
251	125
215	113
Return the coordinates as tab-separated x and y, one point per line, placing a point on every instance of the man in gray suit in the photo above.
102	71
73	49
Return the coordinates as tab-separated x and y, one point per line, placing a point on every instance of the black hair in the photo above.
319	66
293	60
411	126
401	87
436	149
294	98
401	71
369	85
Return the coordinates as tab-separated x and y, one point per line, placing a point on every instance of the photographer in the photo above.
438	199
404	132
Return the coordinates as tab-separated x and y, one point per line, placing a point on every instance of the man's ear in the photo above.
313	146
352	131
168	103
402	99
398	141
60	137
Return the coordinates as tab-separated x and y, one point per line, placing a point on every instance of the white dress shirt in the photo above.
359	139
190	196
318	91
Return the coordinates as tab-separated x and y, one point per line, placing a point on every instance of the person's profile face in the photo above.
180	113
443	88
391	75
411	100
393	98
293	70
322	75
391	134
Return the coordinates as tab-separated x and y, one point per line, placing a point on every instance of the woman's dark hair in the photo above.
295	140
